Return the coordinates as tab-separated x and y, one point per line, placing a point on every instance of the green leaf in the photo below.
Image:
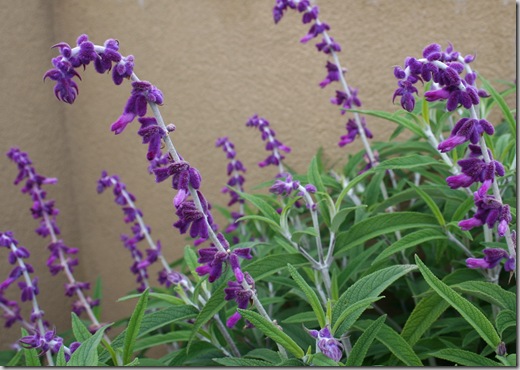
410	240
362	304
425	313
60	357
313	175
311	295
296	235
269	265
488	292
341	215
369	286
157	339
15	360
394	342
430	203
464	358
190	257
133	327
87	354
504	320
301	317
81	333
97	295
468	311
210	309
319	359
264	207
394	117
31	355
175	301
463	209
135	362
379	225
357	262
154	321
264	354
351	185
409	162
273	332
501	103
360	349
245	362
276	227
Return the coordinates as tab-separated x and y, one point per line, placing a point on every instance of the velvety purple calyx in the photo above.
214	260
489	211
346	101
353	132
272	144
284	186
333	74
406	91
190	217
152	135
327	344
492	257
242	296
466	129
475	170
142	93
234	167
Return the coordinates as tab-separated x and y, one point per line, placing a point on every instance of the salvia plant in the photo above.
404	256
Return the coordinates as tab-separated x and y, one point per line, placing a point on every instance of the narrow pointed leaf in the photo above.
80	331
273	332
393	117
369	286
410	240
360	349
501	103
311	295
468	311
430	203
264	207
354	307
394	342
132	330
488	292
464	358
505	319
87	353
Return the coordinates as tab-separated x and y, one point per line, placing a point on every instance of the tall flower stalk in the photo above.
191	207
61	257
445	69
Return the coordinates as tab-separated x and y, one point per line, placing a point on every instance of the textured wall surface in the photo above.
217	63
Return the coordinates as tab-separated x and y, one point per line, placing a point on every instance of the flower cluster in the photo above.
235	182
445	69
133	215
105	58
287	185
327	344
272	144
41	338
62	257
347	97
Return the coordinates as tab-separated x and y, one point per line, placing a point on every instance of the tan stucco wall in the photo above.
217	63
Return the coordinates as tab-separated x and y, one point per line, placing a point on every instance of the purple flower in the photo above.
191	218
353	131
406	91
143	93
327	344
234	167
466	129
492	257
241	296
272	144
489	211
152	135
315	30
327	46
346	100
285	186
475	170
213	260
333	74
